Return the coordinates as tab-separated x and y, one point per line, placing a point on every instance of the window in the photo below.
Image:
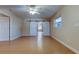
57	22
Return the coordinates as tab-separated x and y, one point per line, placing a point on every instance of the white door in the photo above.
4	28
33	28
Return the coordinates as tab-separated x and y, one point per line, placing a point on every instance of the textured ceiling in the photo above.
22	10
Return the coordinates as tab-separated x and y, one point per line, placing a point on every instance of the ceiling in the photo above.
45	11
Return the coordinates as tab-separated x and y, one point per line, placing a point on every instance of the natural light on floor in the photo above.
40	36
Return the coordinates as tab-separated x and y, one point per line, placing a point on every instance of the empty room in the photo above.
39	29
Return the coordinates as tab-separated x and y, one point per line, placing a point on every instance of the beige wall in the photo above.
68	34
15	24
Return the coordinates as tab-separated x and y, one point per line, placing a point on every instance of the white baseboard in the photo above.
13	38
33	35
73	49
4	39
25	35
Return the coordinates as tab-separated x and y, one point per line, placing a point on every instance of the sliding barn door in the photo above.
4	28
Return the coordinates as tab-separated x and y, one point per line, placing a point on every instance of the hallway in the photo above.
31	45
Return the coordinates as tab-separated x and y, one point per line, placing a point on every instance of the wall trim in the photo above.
4	39
74	50
13	38
33	35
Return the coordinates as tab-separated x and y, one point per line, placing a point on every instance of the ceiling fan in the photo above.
33	9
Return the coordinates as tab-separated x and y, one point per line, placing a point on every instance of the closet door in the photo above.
4	28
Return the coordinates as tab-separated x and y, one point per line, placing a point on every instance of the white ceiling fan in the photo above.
32	9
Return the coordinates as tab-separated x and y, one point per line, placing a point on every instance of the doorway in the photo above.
40	30
37	28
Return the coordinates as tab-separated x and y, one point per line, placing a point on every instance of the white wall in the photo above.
68	34
15	24
46	29
26	28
